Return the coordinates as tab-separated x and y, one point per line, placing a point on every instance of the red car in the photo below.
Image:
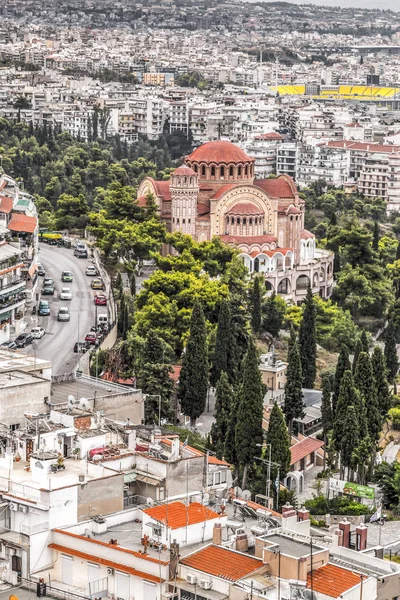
100	300
91	337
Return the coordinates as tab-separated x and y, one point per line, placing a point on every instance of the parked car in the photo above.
100	299
91	271
37	332
24	339
91	337
11	345
63	314
81	347
48	290
65	294
44	308
41	271
67	276
97	284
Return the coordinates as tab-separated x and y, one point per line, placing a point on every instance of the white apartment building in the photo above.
148	115
286	159
320	162
263	148
177	112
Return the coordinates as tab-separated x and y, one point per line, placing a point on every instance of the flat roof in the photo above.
87	387
16	378
15	360
290	546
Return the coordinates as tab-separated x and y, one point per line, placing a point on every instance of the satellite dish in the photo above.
150	501
71	399
237	491
246	495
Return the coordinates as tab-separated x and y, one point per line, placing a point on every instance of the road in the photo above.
57	344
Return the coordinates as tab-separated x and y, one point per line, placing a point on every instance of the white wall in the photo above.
184	536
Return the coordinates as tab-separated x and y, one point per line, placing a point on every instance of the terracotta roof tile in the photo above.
276	188
176	514
223	562
6	204
304	448
23	223
269	136
306	235
245	208
219	152
332	580
107	563
223	189
183	170
364	146
162	189
242	239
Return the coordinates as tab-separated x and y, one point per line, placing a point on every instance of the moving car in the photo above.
67	276
100	299
41	271
97	284
11	345
24	339
48	281
81	347
102	320
37	332
48	289
91	271
66	294
91	337
81	250
63	314
44	308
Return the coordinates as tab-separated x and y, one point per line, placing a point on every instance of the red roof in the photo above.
23	223
162	189
353	125
364	146
224	188
175	373
176	515
245	208
107	563
183	170
223	562
276	188
332	580
269	136
242	239
219	152
6	204
142	201
306	235
304	448
293	210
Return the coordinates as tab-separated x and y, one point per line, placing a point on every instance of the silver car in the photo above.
63	314
66	293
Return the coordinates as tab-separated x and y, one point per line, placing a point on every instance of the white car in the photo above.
37	332
63	314
66	294
91	271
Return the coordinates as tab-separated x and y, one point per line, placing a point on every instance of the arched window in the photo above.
233	221
189	221
185	180
191	181
239	171
177	221
195	169
255	221
227	219
245	171
222	172
238	221
203	170
250	221
244	221
183	221
212	171
230	171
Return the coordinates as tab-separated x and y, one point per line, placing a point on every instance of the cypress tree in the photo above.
249	430
381	383
278	437
398	251
326	407
357	350
392	361
273	317
368	413
230	439
307	341
375	239
239	336
256	305
350	438
343	364
153	350
193	379
293	404
222	342
219	429
364	341
348	396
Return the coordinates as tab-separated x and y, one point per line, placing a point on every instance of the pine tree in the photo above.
398	251
350	438
256	305
219	429
222	341
278	437
249	430
343	364
369	417
348	396
326	407
193	379
153	350
375	239
364	341
392	360
293	405
307	341
357	350
273	317
383	396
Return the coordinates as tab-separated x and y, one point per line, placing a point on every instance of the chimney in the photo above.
303	514
344	526
175	446
242	541
286	508
339	534
361	537
217	534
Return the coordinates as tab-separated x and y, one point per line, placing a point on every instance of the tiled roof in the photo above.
305	234
242	239
223	562
276	188
304	448
332	580
176	514
23	223
142	201
245	208
223	189
6	204
212	460
162	189
107	563
183	170
269	136
364	146
219	152
175	373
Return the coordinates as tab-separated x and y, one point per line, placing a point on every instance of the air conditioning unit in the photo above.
13	506
206	584
190	578
110	571
24	509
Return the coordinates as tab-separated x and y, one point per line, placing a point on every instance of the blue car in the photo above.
44	308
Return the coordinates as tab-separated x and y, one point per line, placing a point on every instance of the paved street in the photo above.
58	343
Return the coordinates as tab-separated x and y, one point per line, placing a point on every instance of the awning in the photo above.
129	477
147	479
32	270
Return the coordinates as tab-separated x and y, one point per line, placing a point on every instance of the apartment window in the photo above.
217	478
223	476
156	530
210	479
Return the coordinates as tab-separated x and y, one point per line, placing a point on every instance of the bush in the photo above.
394	416
341	505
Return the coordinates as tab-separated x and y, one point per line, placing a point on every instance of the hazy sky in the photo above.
384	4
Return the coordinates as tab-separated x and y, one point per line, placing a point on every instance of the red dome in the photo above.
184	170
219	152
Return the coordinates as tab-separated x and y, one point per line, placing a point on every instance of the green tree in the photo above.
274	309
71	212
294	404
357	351
369	417
349	439
156	382
326	411
381	383
375	239
193	380
256	305
219	429
348	396
364	341
278	437
222	342
307	341
343	364
249	430
391	358
387	476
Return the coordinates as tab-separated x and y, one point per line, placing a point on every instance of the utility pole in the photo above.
269	463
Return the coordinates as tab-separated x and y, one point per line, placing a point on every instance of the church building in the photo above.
215	193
